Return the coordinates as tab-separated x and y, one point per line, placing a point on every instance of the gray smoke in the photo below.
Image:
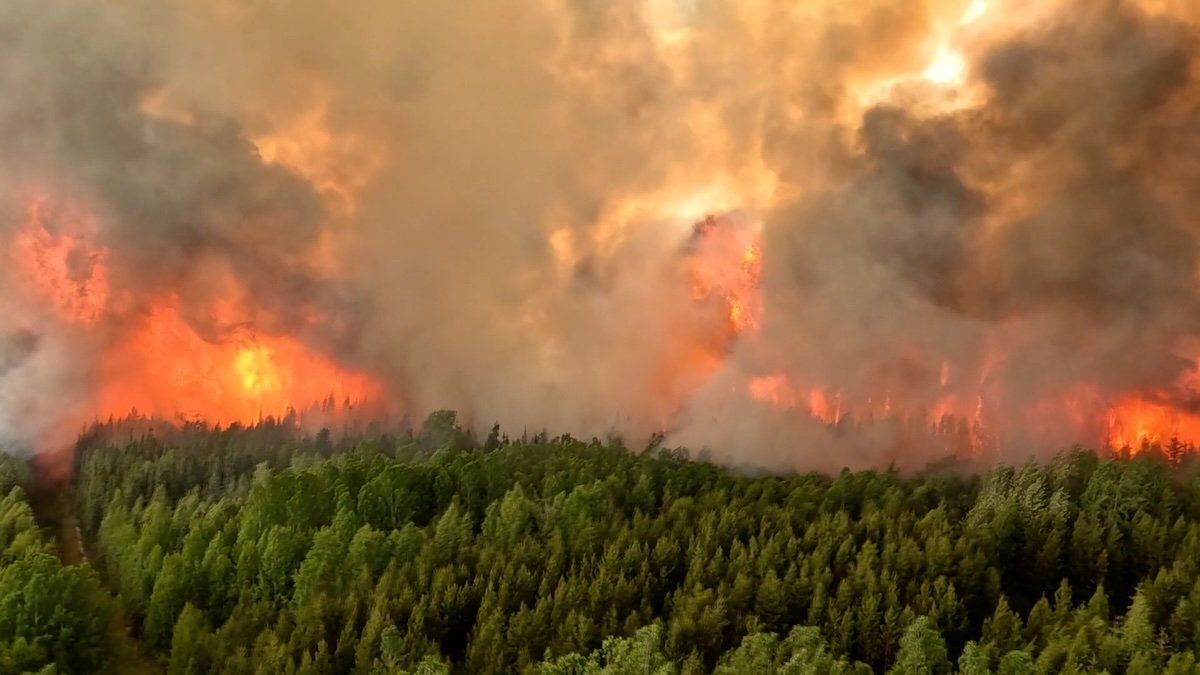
497	218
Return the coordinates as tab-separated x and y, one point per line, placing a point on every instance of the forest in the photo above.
261	549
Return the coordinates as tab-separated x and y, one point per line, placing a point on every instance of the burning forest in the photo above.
804	235
749	336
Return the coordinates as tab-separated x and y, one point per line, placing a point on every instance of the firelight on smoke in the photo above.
69	273
257	367
726	264
158	363
163	368
793	233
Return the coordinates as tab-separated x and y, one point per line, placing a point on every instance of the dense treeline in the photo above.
237	553
53	618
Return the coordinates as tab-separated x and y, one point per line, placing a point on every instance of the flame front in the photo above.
157	363
258	370
162	367
726	266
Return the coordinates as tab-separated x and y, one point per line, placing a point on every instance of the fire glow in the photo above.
963	227
165	369
70	275
158	364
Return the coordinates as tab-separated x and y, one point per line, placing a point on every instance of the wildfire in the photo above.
824	407
156	362
165	368
772	389
777	391
56	260
727	264
919	221
1135	423
160	364
256	366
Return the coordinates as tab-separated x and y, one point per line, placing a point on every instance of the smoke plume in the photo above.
804	234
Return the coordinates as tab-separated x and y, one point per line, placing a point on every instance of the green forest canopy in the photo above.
253	550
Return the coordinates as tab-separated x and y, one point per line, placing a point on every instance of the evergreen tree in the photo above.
922	650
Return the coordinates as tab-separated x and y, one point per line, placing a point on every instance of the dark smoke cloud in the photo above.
1047	224
174	203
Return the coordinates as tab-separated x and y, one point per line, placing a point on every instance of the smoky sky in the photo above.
491	206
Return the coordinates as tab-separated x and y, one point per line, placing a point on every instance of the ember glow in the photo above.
155	362
804	234
164	368
726	267
1137	421
54	258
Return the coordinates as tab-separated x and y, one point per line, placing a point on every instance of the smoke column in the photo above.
805	234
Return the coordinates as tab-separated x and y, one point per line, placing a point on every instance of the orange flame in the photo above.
1136	422
156	362
960	426
164	368
774	390
821	407
57	262
256	366
728	265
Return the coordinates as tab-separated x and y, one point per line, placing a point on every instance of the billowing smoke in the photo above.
800	234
